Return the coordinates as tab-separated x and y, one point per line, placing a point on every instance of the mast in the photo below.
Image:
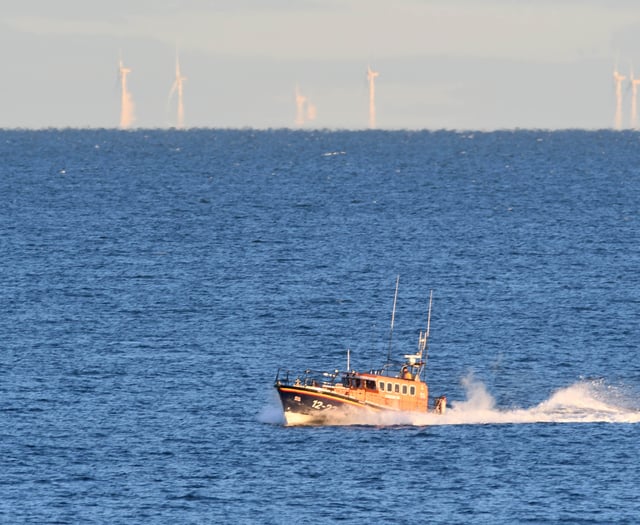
393	316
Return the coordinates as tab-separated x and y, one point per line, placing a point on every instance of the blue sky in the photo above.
450	64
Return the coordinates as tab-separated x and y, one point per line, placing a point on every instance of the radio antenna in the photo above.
393	316
429	315
426	337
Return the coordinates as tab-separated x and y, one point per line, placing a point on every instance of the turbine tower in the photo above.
301	101
634	99
126	103
312	111
371	75
178	88
618	79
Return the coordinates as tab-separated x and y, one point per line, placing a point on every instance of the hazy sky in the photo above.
443	64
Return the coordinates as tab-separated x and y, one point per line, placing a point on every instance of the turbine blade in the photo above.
173	90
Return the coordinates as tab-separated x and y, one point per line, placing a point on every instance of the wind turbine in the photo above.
634	99
305	109
178	88
618	79
301	101
126	103
371	76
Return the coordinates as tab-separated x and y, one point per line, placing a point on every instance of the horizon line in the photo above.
306	130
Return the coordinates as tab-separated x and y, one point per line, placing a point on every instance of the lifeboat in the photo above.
312	397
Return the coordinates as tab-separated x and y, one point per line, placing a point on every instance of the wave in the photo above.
587	401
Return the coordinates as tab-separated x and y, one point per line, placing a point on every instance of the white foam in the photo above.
582	402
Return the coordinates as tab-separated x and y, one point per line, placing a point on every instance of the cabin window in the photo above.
397	388
389	387
413	390
370	385
382	385
404	389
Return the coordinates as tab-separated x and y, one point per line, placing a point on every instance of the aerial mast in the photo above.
393	316
423	340
425	345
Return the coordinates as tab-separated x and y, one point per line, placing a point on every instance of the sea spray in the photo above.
272	412
582	402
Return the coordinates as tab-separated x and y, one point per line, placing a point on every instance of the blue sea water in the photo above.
154	281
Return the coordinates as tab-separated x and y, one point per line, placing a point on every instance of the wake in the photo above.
582	402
